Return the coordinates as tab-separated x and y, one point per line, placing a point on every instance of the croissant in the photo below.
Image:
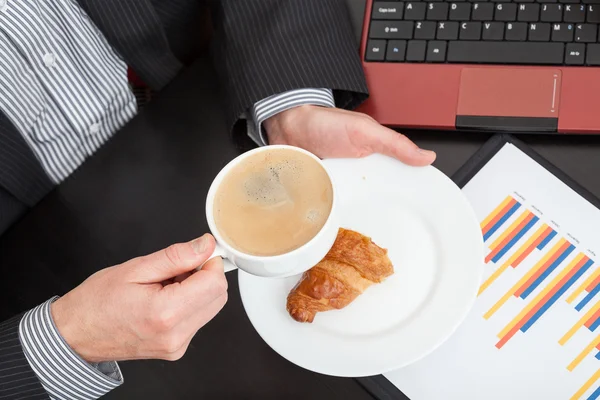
352	265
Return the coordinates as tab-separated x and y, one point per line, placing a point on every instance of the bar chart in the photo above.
534	329
512	233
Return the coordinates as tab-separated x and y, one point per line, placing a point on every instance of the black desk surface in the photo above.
145	190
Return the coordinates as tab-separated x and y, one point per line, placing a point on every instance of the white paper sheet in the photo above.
531	364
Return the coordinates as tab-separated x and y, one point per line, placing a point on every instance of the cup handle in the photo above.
220	252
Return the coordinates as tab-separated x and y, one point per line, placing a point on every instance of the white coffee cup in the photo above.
283	265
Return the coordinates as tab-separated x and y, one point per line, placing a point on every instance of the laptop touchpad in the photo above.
509	99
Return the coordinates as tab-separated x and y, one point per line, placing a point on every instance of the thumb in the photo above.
175	260
394	144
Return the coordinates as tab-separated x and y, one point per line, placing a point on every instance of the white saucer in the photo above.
435	244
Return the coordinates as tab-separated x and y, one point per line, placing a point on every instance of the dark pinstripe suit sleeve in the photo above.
20	172
17	379
265	47
10	210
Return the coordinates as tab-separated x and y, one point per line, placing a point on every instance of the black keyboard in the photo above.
525	32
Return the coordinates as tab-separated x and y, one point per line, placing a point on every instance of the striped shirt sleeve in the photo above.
62	373
277	103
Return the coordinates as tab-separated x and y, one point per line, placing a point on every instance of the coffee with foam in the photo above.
273	202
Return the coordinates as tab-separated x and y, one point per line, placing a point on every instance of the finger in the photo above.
175	260
206	284
215	265
182	277
394	144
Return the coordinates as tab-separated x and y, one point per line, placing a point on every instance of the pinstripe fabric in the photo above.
17	380
62	373
61	84
257	58
182	20
273	105
134	28
20	172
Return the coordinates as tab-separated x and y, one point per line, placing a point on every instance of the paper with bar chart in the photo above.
534	332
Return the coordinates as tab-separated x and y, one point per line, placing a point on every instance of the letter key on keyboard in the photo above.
503	32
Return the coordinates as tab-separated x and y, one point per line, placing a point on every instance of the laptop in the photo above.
523	66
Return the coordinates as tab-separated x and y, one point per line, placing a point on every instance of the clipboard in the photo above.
379	386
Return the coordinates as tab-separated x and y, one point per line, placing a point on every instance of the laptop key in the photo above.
447	30
506	52
470	31
585	33
569	1
562	32
483	12
506	12
395	50
416	50
375	50
574	13
593	14
493	31
591	1
460	11
551	13
425	30
437	11
436	51
539	32
391	30
575	54
529	12
593	54
387	10
516	31
415	11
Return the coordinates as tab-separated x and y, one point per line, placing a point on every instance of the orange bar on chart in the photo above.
585	284
518	255
499	216
579	324
542	298
510	233
564	245
504	206
584	353
593	284
539	238
524	279
592	319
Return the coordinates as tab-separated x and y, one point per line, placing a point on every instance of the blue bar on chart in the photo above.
595	395
548	271
587	298
499	217
595	324
556	296
515	239
547	240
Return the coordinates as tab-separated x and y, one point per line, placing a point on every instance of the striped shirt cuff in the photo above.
60	370
277	103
